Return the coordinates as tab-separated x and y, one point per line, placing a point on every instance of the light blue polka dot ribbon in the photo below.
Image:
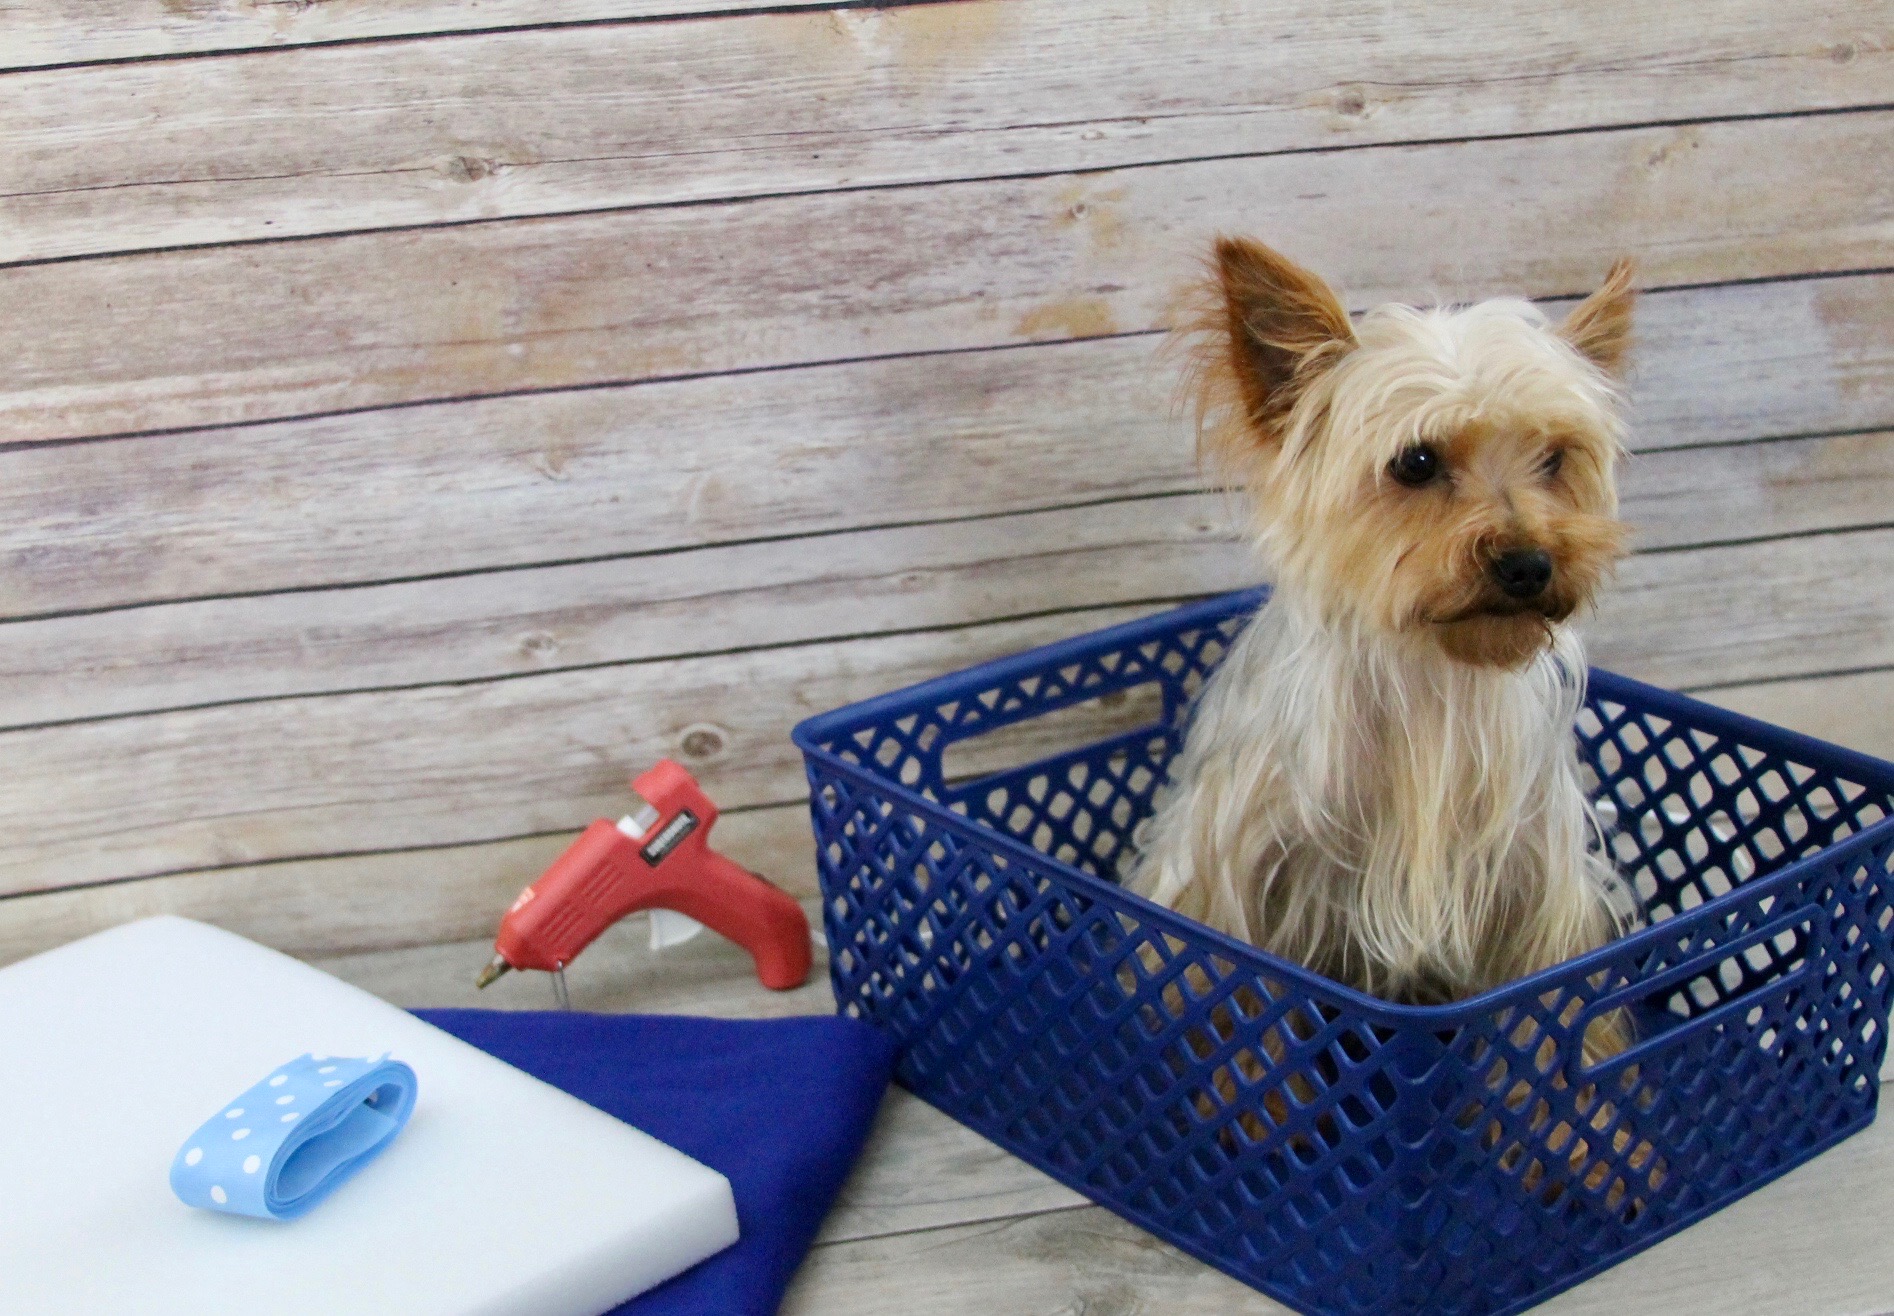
285	1144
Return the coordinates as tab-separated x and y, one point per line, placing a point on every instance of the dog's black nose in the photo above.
1523	573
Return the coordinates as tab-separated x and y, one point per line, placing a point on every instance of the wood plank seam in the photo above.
754	767
909	99
770	837
733	651
1800	358
1076	505
827	638
180	514
821	363
681	377
444	34
1787	436
276	861
736	811
1738	541
123	31
1826	673
1029	1213
796	804
1743	281
1695	689
1196	489
987	178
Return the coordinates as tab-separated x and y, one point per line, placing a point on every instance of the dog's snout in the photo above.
1523	573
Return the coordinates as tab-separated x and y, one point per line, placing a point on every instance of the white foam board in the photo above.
503	1195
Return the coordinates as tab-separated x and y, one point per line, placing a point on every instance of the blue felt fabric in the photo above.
780	1107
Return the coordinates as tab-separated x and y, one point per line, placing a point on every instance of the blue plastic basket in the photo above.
1339	1153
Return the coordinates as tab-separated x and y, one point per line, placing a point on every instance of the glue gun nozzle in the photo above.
492	971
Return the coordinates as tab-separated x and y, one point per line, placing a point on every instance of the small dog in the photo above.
1381	780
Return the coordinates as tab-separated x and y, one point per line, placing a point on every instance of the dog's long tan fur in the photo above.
1381	781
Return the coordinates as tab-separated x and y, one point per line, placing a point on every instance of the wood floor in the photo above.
939	1222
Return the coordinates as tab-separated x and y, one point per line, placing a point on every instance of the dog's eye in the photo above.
1416	466
1553	462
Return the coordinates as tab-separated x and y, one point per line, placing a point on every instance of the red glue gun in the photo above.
658	857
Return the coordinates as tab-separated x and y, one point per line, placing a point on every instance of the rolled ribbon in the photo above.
286	1143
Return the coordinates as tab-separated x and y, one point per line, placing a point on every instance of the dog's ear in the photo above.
1285	326
1600	326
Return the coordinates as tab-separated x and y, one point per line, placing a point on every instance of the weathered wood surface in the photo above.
1750	611
348	903
1813	1243
442	764
615	472
1855	708
362	902
1752	52
1682	497
275	329
53	32
1011	452
356	903
924	1171
604	473
1080	1260
447	764
948	1222
639	609
519	123
905	578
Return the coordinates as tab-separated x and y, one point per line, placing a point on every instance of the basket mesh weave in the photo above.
1339	1153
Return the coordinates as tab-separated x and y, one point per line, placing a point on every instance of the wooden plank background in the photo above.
415	416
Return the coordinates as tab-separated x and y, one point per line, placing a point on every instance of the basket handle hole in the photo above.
1053	735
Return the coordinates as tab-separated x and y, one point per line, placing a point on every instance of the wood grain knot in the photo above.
539	645
468	168
701	742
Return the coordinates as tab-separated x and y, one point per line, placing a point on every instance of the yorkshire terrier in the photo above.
1381	780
